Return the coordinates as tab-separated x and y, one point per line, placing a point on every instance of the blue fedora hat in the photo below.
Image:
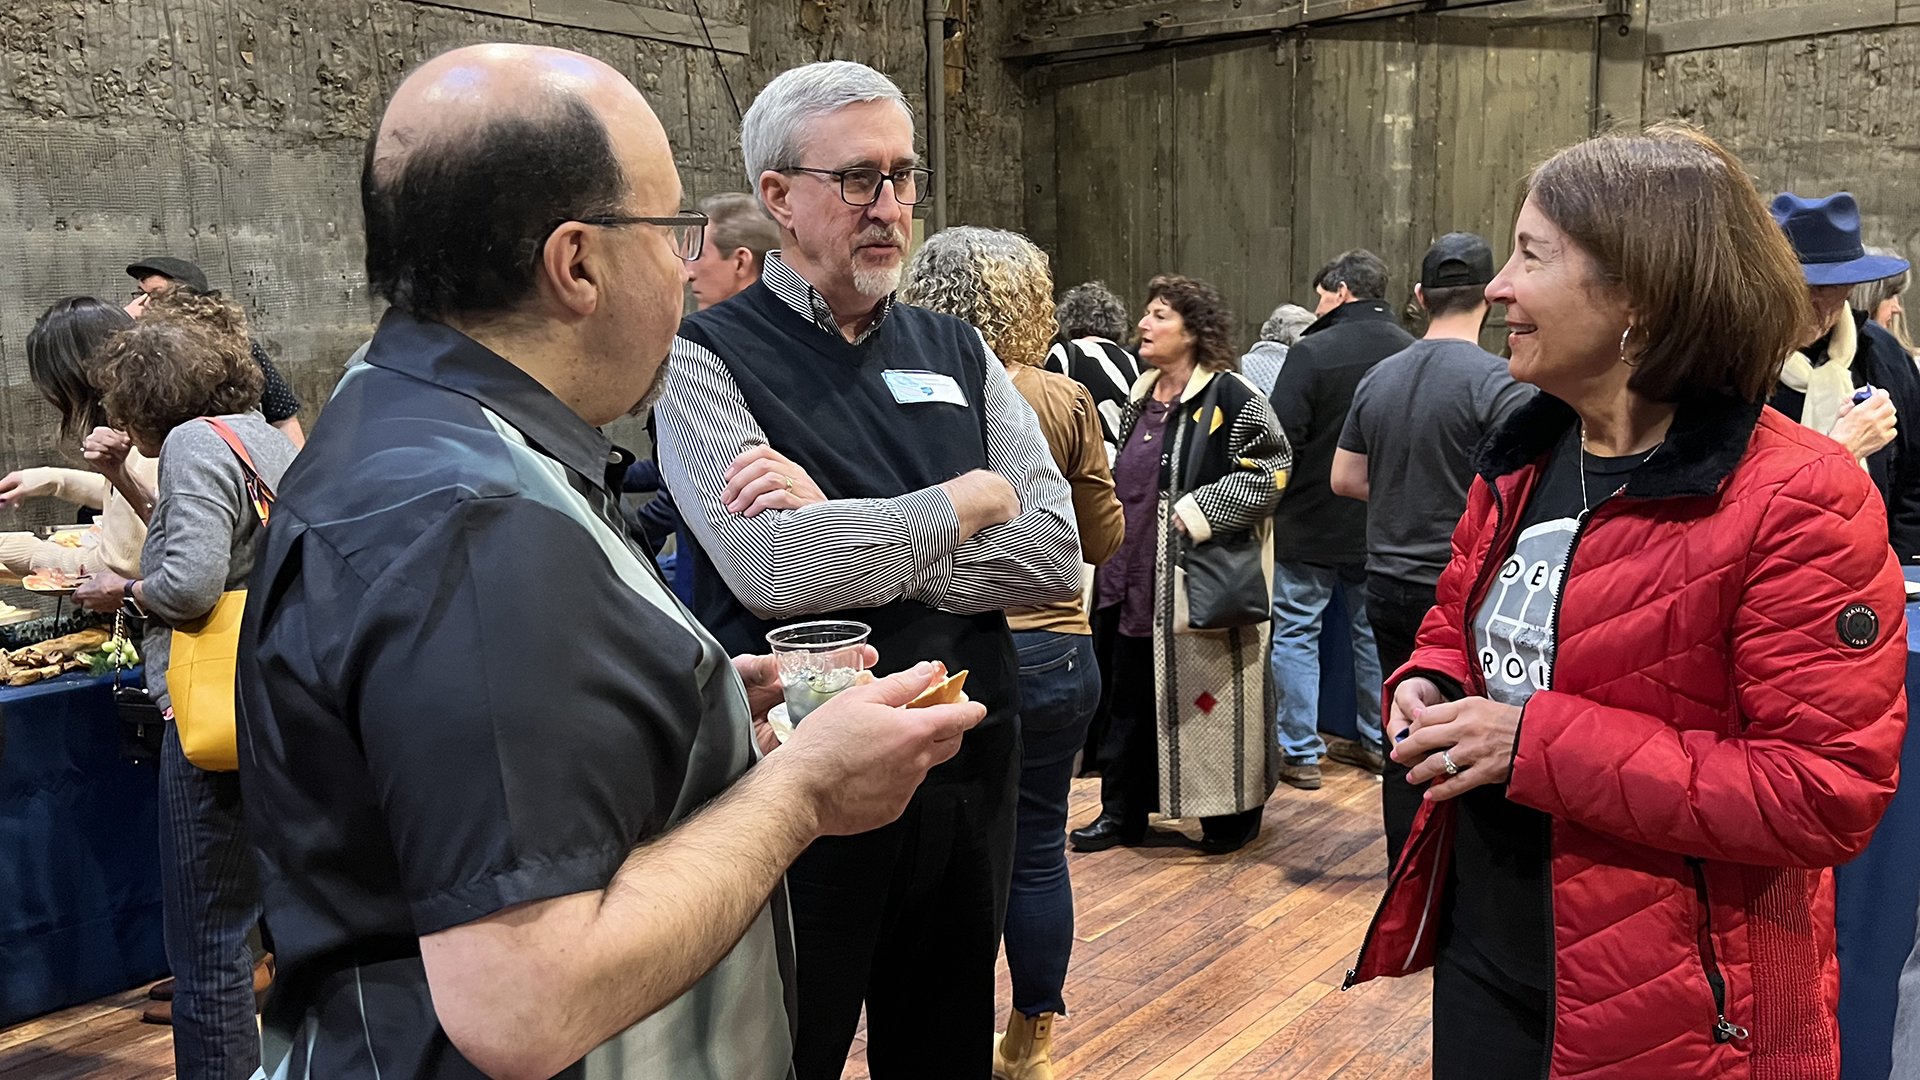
1825	234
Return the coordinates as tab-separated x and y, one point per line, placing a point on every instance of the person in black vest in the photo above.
834	451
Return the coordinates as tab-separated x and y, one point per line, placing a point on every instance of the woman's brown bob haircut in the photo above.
1206	315
187	356
1671	217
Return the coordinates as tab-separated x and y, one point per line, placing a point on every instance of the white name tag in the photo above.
913	387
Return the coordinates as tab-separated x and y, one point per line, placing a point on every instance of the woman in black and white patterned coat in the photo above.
1190	711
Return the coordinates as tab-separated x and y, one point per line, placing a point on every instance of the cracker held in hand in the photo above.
948	691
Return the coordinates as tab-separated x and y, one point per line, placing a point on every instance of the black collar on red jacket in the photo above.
1708	438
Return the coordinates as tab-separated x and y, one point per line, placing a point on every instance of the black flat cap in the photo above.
178	269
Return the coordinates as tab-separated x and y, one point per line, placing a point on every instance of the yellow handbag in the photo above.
200	670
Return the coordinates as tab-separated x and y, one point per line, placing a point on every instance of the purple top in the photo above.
1127	578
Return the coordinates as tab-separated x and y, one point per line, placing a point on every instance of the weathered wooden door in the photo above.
1252	162
1173	162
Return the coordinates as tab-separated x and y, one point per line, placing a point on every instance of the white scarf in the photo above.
1830	386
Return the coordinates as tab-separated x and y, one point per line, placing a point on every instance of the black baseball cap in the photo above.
1456	259
168	267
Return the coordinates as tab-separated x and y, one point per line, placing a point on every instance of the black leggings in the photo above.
1485	1027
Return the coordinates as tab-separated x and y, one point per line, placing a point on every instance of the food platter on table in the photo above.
51	659
67	536
53	582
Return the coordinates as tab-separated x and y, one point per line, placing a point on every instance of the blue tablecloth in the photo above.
79	852
1874	902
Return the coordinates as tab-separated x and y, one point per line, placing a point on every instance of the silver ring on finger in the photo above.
1446	758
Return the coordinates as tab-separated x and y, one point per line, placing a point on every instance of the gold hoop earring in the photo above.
1624	334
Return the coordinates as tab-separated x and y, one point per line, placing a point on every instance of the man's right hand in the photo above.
858	758
982	499
1864	428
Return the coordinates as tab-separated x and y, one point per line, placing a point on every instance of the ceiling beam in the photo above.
614	17
1191	21
1776	24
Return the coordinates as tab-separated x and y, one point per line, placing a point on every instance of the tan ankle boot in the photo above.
1025	1052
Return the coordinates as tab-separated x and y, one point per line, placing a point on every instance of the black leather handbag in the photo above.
1222	583
141	724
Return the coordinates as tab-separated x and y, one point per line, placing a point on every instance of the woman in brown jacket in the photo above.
999	282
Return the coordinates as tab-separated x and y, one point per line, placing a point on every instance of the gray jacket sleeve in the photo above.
190	541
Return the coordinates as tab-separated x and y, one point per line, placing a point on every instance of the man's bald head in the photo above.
480	152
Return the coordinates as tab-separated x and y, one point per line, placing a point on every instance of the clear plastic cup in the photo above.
817	660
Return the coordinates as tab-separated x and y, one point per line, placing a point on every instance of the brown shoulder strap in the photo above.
258	491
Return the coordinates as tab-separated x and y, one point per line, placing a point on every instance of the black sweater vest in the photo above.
824	403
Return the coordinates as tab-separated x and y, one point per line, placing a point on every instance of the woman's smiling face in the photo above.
1564	322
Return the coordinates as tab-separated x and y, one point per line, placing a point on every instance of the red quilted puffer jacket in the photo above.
1724	726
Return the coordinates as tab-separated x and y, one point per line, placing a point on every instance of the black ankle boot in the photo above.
1228	834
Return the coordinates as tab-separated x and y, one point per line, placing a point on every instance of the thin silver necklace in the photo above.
1585	506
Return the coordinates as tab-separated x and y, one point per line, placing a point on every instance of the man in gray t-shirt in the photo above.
1407	449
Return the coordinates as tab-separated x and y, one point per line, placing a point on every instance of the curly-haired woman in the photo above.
1189	715
183	363
999	282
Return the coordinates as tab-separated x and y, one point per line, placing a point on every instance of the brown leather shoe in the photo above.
160	1012
1304	777
162	990
1358	755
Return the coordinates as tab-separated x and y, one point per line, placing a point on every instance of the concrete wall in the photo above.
230	132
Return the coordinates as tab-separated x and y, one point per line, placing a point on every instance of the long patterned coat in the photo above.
1219	750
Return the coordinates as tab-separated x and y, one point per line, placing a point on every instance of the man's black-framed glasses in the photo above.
861	187
688	228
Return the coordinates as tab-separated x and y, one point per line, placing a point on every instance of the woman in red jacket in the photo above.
1661	693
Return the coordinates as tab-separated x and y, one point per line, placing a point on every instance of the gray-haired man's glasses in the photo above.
861	187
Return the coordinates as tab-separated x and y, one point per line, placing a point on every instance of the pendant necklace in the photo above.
1585	506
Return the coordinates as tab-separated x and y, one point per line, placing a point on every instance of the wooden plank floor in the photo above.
1185	968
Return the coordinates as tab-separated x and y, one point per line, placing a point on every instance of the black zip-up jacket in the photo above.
1879	360
1311	398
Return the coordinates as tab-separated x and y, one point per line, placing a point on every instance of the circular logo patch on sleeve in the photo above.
1859	626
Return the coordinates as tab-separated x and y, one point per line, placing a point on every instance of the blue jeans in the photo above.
210	901
1301	594
1059	689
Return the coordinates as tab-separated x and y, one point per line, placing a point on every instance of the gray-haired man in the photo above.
838	454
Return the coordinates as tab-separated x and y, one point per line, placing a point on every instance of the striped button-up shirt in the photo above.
850	553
